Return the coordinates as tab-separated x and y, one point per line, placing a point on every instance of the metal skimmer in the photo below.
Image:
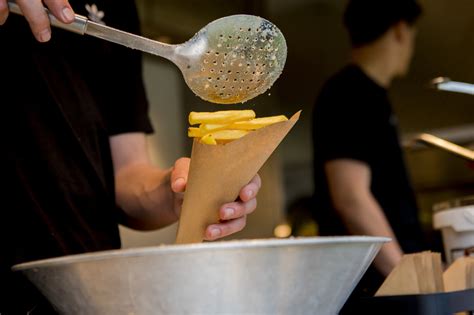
231	60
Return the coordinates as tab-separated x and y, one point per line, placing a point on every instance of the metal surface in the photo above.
446	84
231	60
437	142
290	276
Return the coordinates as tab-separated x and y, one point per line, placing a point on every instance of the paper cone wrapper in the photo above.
218	172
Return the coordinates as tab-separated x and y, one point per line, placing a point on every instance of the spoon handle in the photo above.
82	25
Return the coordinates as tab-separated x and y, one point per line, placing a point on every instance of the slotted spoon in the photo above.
230	60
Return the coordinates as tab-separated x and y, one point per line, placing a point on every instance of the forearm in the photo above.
364	216
151	198
144	193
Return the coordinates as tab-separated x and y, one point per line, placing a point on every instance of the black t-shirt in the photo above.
353	119
60	102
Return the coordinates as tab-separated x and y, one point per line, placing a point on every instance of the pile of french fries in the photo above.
224	126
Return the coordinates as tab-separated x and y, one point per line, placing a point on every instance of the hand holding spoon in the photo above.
231	60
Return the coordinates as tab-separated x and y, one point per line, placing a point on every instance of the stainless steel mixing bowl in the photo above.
269	276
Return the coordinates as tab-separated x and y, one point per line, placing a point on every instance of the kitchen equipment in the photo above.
442	303
418	286
231	60
455	219
269	276
446	84
445	145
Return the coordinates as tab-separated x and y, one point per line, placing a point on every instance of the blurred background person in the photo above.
361	183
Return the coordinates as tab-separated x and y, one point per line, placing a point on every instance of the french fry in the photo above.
208	139
223	135
194	132
220	117
257	123
206	128
252	124
225	126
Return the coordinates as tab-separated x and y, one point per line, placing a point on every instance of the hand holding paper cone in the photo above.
218	172
232	215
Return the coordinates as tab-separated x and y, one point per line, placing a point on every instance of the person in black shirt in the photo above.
361	184
74	159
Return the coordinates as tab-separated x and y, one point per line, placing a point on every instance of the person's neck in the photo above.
375	64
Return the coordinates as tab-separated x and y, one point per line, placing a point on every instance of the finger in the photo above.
179	174
3	11
61	10
216	231
36	16
178	203
251	189
236	210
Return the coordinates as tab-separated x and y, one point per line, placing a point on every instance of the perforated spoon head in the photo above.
233	59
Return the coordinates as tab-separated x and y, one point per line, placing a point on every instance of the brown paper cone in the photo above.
429	272
460	275
218	172
402	280
470	274
418	273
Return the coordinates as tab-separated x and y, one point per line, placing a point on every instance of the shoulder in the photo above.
345	82
340	91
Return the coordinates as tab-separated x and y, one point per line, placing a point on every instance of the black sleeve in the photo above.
117	79
341	127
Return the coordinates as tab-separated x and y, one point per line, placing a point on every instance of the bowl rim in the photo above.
220	245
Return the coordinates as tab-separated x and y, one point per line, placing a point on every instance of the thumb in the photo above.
179	175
